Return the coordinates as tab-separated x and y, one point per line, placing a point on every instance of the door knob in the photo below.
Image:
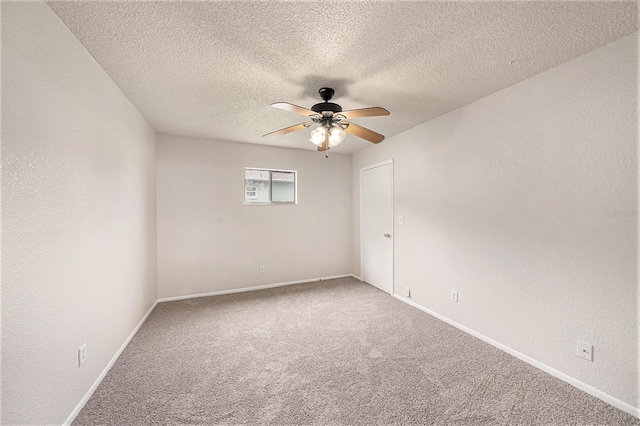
387	235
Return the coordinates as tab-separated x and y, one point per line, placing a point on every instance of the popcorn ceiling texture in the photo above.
211	69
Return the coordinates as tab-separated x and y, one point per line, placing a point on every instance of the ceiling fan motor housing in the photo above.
326	106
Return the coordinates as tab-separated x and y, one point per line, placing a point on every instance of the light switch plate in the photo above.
82	354
400	220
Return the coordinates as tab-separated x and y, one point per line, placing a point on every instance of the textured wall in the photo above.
78	216
208	240
526	203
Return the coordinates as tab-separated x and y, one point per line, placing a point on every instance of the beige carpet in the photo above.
335	352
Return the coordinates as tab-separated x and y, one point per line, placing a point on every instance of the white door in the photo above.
376	225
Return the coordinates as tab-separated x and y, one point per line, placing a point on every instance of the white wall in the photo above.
508	201
78	216
208	240
505	200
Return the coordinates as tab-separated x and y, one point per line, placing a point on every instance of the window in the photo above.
268	187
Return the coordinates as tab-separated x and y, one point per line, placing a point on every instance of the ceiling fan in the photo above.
331	120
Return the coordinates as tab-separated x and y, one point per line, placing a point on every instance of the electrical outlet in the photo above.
262	269
585	350
82	354
454	296
407	292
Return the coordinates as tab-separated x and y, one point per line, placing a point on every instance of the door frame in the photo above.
393	234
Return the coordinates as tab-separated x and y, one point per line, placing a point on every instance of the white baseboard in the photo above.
356	277
626	407
244	289
95	385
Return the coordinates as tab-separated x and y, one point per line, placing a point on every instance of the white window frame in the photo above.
271	202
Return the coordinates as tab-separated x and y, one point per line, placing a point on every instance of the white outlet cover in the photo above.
407	292
262	269
454	296
585	351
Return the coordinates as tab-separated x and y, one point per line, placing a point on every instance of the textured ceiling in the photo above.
211	69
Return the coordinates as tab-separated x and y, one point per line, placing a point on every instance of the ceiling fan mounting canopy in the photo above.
326	93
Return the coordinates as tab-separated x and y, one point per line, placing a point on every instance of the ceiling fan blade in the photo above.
294	108
288	129
363	132
365	112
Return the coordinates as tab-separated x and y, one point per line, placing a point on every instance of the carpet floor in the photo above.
337	352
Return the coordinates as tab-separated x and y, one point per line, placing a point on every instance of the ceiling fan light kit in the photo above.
332	127
336	136
318	136
333	136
